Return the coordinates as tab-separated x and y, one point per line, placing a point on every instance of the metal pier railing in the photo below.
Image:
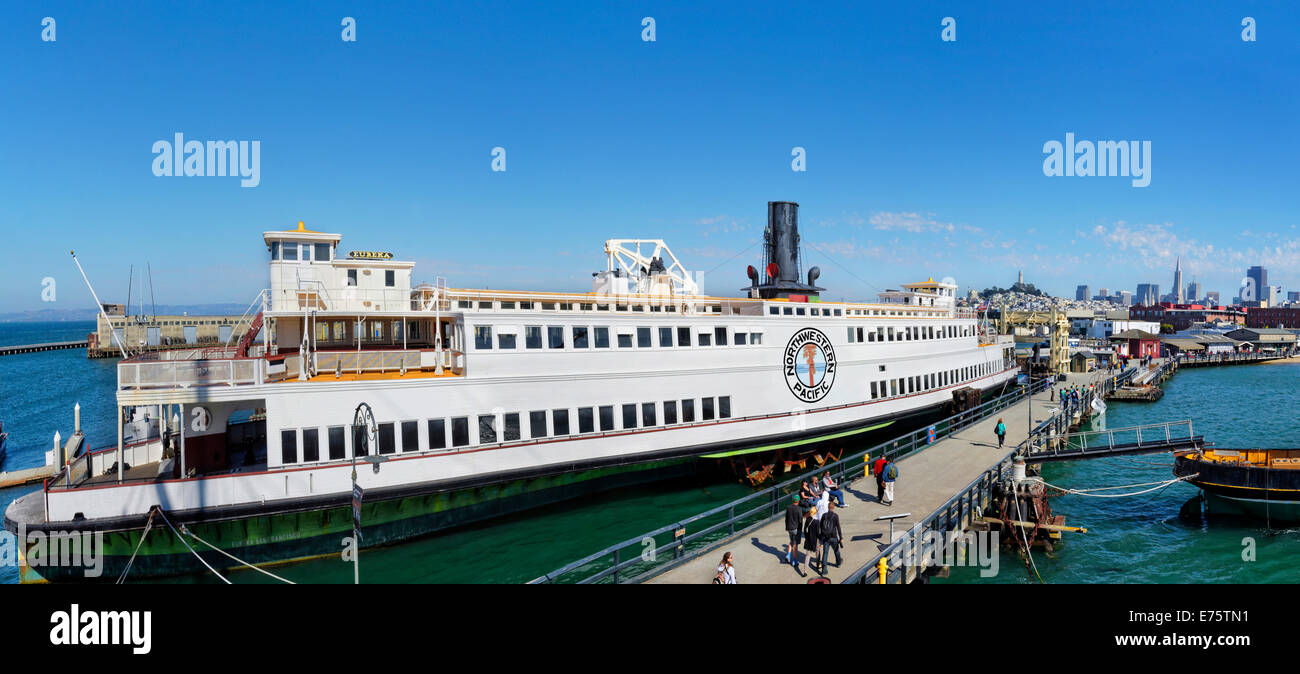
683	540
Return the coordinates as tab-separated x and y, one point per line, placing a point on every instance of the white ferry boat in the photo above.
489	401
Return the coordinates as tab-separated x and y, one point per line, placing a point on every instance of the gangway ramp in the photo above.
1170	436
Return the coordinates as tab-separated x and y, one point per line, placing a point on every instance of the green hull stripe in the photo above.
795	443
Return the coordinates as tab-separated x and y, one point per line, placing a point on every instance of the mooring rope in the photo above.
185	530
1088	492
147	526
187	546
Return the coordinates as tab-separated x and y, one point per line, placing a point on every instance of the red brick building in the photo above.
1273	317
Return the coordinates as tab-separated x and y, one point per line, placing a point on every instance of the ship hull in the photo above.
1255	491
311	531
314	528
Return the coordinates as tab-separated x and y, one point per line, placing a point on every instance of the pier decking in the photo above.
47	346
927	480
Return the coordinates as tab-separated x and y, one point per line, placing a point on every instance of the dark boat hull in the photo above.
1255	491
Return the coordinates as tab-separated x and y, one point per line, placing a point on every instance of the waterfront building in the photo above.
1265	339
1106	328
1273	317
1136	343
1181	317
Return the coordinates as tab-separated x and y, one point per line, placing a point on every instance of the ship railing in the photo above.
185	373
103	462
669	546
312	295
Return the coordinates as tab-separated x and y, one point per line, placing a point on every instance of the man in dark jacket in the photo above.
831	536
793	527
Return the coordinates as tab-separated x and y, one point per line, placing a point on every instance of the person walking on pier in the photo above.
878	470
1001	431
889	475
794	527
831	537
811	535
726	571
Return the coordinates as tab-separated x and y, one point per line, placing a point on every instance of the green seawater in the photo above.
1141	539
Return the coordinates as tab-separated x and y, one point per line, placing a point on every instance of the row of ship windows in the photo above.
493	428
901	386
505	305
584	337
908	333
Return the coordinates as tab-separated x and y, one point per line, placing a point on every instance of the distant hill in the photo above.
89	313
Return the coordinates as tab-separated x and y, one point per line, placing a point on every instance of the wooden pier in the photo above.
47	346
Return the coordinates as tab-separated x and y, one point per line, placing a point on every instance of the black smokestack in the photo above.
783	239
781	266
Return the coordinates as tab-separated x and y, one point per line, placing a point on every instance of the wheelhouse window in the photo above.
720	334
647	414
724	407
322	252
390	278
665	337
643	338
624	340
290	252
506	341
275	250
706	410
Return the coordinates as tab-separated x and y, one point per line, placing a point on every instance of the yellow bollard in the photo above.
866	465
883	569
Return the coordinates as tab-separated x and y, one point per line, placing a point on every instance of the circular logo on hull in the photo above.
809	364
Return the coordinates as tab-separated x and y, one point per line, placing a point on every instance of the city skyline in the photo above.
606	135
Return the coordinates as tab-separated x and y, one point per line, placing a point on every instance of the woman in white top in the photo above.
726	571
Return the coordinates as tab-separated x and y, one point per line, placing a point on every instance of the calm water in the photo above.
1141	539
1137	539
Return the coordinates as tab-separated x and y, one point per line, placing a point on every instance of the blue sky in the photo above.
924	157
